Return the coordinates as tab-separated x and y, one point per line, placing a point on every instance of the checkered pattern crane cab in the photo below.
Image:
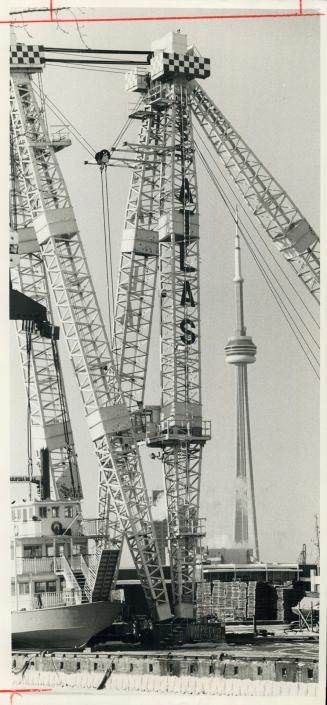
28	56
172	58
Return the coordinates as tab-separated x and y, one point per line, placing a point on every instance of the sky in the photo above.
265	79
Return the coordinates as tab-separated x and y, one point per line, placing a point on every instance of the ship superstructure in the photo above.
53	558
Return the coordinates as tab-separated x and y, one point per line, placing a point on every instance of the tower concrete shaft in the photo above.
241	351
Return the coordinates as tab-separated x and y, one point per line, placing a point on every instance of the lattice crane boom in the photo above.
267	200
48	410
139	264
107	415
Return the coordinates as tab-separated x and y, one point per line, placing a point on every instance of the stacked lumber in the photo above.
239	595
286	599
251	599
203	600
229	600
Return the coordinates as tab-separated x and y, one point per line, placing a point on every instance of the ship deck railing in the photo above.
44	600
27	566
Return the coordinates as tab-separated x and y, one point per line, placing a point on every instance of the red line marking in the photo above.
262	16
51	9
19	691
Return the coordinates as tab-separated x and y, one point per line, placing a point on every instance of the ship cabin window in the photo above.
51	586
55	512
69	512
12	551
40	586
13	514
60	550
49	551
24	514
42	512
23	588
30	512
77	549
18	514
13	589
32	551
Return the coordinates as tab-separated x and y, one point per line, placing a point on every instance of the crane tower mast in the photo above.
172	242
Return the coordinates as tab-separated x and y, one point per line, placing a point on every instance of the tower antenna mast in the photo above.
241	351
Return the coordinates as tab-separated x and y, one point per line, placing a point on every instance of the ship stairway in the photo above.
80	579
105	573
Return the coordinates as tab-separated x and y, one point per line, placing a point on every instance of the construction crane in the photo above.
56	232
161	233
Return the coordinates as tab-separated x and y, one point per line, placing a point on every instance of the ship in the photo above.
62	576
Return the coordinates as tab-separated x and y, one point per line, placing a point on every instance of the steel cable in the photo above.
106	252
272	254
282	305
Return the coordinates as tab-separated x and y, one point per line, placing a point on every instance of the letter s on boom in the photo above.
189	337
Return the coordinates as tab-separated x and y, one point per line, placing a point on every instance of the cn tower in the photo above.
240	352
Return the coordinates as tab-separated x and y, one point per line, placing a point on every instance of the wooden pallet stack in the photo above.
286	599
218	599
229	600
239	593
280	603
203	600
251	599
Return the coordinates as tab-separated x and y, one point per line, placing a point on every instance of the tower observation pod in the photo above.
241	351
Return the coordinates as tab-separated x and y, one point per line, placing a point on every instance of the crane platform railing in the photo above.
174	429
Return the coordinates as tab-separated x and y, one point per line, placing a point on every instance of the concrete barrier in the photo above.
185	684
209	686
217	674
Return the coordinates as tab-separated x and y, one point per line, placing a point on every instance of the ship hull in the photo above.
61	627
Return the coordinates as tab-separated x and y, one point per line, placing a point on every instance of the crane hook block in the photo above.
102	157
